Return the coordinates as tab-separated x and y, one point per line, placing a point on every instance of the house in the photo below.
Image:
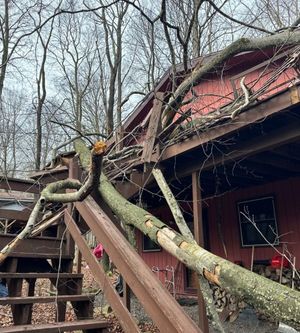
233	163
231	159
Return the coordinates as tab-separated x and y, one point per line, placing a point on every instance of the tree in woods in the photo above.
14	24
42	44
183	26
113	23
11	122
76	59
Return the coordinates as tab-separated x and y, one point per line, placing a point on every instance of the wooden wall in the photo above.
287	206
216	90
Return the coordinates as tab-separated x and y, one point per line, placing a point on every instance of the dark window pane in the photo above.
258	222
149	245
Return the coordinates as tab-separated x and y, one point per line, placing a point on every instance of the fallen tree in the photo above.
272	299
52	193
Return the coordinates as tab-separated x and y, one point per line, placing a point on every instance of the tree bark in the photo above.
5	45
185	231
274	300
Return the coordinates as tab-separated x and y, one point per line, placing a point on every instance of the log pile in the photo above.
226	304
286	277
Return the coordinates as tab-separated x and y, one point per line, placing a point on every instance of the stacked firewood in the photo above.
285	278
228	305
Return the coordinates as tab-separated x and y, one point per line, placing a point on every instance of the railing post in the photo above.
199	237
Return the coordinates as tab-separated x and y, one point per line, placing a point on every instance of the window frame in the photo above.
149	250
273	219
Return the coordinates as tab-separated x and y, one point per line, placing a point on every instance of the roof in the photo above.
12	201
136	117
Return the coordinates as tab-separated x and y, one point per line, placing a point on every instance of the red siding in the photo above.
215	92
287	212
286	193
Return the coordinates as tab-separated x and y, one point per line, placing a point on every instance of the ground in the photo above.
247	322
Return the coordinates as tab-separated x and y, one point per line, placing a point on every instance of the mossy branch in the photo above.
285	38
186	232
49	194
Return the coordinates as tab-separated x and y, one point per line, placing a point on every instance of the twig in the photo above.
269	243
78	131
246	101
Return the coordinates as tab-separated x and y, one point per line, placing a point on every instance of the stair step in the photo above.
46	299
8	275
85	324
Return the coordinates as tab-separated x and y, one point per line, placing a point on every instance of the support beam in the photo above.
286	164
35	247
276	138
290	151
10	214
199	237
153	128
21	185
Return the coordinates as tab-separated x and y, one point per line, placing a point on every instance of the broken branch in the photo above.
186	232
49	194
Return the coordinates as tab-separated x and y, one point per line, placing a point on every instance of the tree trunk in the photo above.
5	45
274	300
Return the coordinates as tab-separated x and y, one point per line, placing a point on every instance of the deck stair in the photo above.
57	266
92	325
68	289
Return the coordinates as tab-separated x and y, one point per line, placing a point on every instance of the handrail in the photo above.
156	300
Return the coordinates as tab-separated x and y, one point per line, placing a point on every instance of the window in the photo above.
149	245
191	278
258	222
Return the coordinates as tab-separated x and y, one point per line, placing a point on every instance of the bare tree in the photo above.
11	120
113	23
13	23
41	52
76	58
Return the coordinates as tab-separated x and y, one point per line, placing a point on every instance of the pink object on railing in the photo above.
98	251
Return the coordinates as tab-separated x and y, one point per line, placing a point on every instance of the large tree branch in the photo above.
49	194
277	301
172	203
241	45
185	231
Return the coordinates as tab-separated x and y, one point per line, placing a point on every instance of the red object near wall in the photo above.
98	251
277	260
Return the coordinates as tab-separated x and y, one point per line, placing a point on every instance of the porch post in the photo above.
199	237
